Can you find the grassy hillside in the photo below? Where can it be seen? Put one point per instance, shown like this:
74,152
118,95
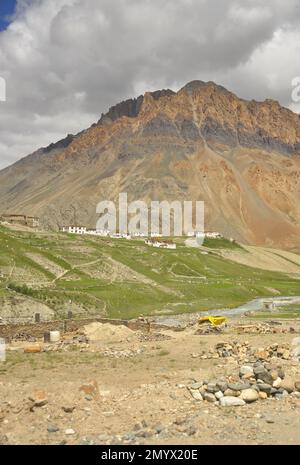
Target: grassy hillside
120,278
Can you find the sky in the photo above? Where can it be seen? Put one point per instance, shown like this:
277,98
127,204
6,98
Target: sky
7,8
65,62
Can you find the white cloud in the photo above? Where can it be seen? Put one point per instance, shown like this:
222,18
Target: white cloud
66,61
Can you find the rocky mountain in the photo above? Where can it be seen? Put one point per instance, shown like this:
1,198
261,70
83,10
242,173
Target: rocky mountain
202,143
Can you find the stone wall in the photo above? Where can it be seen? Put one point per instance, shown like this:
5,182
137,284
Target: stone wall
37,330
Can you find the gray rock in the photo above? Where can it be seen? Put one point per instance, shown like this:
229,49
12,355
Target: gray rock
196,395
52,429
219,394
222,385
238,386
265,388
257,369
266,377
209,397
246,370
231,402
212,387
196,386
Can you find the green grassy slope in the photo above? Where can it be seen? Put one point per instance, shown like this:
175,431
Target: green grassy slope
120,278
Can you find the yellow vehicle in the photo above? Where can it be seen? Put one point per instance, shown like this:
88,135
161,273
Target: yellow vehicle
214,320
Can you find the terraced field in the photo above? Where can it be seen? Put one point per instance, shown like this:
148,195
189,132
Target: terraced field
116,278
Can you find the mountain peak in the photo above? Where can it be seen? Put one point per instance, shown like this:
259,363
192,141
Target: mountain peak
195,85
241,157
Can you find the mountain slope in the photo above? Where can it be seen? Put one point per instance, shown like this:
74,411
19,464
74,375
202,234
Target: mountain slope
202,143
52,273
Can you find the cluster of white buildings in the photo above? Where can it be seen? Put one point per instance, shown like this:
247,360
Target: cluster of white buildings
153,241
208,234
161,244
93,232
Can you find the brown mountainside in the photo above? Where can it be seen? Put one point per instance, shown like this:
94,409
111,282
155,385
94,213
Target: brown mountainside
202,143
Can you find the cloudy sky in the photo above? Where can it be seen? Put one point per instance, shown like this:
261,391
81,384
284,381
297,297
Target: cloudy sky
66,61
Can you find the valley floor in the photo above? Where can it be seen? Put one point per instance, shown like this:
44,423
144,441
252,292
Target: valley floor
134,391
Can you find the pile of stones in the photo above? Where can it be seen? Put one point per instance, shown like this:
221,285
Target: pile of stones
127,353
209,329
23,337
80,341
273,327
243,350
253,382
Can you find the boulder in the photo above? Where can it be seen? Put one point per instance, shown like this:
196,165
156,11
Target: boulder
209,397
222,385
212,387
228,401
196,395
238,386
196,385
258,369
277,383
266,377
288,384
265,388
231,393
249,395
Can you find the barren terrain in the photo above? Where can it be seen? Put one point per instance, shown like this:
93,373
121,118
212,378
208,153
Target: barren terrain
132,388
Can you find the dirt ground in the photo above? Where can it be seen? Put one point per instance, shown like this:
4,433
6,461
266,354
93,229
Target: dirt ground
132,390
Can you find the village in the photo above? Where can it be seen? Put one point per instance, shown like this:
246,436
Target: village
153,240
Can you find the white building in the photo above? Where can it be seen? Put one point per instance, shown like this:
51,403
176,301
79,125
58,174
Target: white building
97,232
156,235
213,235
74,229
138,234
